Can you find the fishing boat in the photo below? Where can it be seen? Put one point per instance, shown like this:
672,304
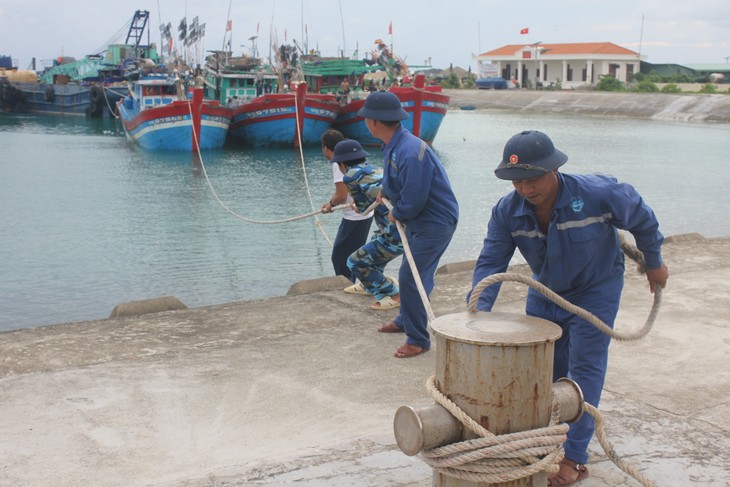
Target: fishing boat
90,86
326,74
425,105
158,114
295,119
235,80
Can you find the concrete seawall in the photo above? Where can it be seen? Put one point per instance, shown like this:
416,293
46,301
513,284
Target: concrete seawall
655,106
301,390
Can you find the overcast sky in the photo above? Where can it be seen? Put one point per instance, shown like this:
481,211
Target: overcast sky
446,31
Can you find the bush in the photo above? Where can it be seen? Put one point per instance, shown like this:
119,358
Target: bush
646,87
708,88
671,88
451,82
609,83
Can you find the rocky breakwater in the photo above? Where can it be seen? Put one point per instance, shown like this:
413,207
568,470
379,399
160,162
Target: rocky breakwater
657,106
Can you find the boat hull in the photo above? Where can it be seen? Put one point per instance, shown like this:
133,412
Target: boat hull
426,108
277,120
171,127
71,99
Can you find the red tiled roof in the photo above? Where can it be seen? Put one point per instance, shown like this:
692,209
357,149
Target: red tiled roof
604,48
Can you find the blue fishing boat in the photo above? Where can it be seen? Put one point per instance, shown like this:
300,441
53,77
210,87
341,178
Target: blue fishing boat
158,114
294,119
425,105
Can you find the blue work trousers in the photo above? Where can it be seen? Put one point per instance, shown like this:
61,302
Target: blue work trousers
581,353
427,249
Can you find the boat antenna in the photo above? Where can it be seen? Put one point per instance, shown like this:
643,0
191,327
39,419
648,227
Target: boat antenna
342,21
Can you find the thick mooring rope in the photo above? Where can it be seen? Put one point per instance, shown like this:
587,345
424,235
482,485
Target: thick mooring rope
602,438
630,250
250,220
503,458
497,458
412,263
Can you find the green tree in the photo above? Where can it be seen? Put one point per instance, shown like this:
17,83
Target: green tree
469,83
452,81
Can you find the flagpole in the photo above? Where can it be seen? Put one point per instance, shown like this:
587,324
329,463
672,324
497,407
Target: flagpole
228,18
390,29
641,38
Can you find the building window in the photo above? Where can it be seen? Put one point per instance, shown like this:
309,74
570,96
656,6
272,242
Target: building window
570,73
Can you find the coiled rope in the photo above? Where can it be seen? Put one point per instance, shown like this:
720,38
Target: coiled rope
497,458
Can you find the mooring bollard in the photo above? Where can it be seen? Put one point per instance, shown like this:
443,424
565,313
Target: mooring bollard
498,369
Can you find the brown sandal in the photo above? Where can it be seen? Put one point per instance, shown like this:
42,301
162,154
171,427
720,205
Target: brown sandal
564,476
408,351
389,328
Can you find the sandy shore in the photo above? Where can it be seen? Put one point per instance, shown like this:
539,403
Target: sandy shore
657,106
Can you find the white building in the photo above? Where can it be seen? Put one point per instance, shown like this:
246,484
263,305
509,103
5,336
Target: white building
571,65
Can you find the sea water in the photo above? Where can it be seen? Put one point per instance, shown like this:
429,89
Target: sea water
88,221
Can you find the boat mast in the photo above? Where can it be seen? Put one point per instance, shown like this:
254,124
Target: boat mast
342,22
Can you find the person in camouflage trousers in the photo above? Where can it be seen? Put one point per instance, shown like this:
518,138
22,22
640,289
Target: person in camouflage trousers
363,181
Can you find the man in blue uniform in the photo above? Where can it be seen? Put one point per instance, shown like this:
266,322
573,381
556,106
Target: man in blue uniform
416,184
565,226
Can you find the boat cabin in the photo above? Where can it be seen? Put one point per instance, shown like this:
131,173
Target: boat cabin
153,93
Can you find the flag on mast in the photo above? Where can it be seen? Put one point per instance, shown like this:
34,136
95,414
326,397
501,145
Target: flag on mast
390,28
526,30
229,26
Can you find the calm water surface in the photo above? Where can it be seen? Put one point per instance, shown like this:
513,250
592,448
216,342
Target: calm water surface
89,221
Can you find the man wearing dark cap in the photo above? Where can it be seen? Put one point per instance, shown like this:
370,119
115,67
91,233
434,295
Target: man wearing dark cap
565,227
416,184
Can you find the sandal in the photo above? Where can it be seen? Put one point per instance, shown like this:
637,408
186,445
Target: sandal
565,475
386,303
408,351
356,288
390,328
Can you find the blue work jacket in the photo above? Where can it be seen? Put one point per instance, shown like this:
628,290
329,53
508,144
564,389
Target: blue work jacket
415,182
581,249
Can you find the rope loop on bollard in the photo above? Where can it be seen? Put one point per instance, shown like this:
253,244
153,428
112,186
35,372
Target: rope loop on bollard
497,458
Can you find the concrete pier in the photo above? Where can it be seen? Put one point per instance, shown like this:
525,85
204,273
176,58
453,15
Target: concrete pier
683,107
301,390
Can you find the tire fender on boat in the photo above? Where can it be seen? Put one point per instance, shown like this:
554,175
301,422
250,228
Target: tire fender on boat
95,94
96,102
50,94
